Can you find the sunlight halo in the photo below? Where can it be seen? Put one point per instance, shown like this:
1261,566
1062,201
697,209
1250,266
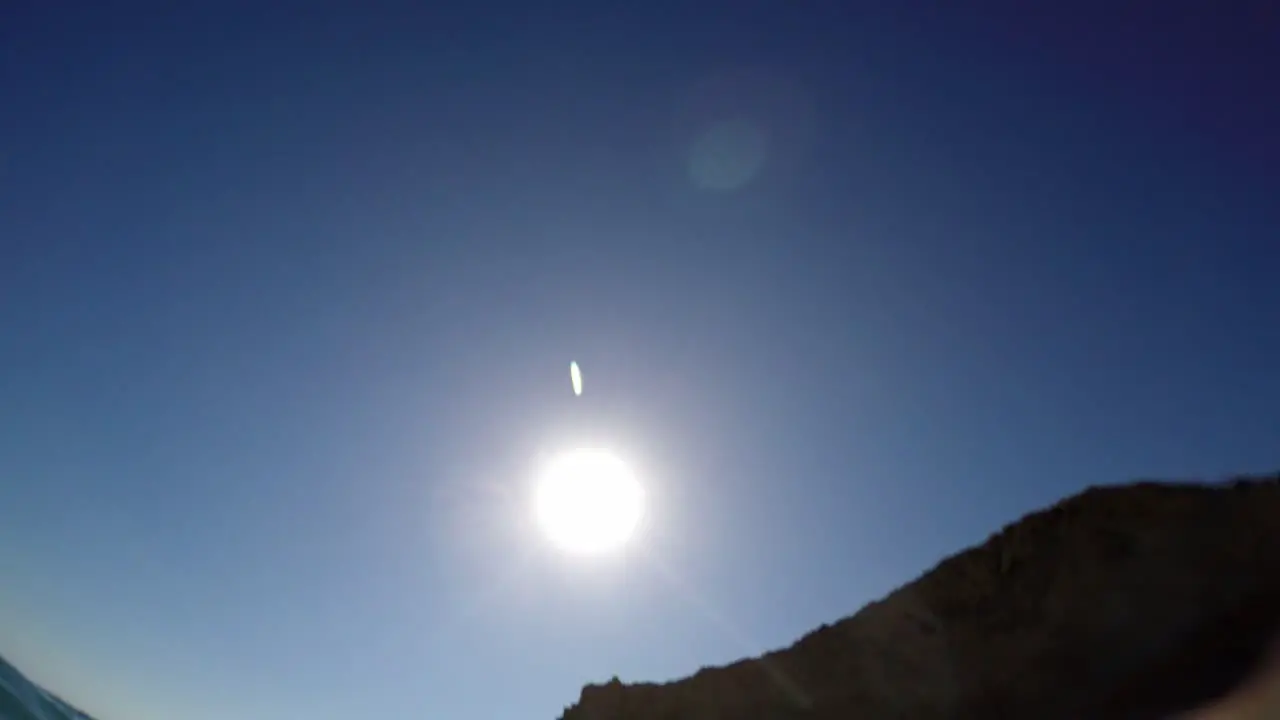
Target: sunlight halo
588,502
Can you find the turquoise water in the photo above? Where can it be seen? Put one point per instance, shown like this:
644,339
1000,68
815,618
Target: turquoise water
21,699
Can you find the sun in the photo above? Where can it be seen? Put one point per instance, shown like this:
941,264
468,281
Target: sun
588,502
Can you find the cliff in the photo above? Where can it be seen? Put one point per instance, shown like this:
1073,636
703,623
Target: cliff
1128,602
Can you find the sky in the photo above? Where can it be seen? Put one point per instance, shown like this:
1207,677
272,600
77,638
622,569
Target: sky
289,292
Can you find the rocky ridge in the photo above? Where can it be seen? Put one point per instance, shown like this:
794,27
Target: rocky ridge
1124,602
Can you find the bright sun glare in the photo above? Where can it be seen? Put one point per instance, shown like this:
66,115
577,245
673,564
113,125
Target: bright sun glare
588,502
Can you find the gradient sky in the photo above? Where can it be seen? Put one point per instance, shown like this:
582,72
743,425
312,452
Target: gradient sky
288,294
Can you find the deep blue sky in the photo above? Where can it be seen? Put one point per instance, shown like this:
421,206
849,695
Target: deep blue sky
288,293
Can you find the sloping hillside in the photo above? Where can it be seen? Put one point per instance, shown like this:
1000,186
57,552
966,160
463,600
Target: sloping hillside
1127,602
21,699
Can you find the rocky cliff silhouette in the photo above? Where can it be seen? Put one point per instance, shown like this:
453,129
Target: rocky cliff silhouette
1128,603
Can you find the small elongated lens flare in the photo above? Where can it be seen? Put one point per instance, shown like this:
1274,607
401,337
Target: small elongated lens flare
576,376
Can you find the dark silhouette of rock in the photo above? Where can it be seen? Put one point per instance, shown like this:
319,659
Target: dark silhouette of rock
1130,602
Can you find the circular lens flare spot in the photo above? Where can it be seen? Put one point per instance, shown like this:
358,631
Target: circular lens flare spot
728,155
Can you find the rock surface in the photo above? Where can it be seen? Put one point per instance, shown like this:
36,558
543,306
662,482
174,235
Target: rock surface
1127,602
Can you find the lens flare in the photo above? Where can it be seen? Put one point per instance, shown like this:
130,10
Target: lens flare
575,375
